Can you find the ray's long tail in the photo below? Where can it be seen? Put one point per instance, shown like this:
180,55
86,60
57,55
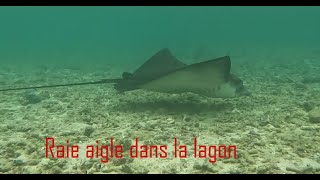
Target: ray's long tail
103,81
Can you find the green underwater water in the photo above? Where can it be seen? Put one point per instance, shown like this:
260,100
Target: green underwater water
122,35
274,50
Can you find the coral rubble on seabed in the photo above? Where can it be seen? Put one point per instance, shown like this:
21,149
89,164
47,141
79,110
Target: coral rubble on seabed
276,130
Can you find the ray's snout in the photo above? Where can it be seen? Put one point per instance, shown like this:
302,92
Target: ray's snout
241,90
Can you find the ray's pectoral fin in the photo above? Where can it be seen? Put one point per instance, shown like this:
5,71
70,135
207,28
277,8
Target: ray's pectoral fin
210,78
156,66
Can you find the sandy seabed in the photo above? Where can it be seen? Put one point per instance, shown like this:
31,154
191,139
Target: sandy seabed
276,130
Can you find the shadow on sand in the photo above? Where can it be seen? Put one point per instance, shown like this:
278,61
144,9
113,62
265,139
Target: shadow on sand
172,106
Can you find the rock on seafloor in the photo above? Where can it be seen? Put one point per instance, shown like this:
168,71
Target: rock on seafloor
314,115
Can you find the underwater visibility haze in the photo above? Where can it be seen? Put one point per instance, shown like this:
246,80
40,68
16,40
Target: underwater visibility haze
180,85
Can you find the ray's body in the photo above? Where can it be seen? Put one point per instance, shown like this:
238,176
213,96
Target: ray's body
165,73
